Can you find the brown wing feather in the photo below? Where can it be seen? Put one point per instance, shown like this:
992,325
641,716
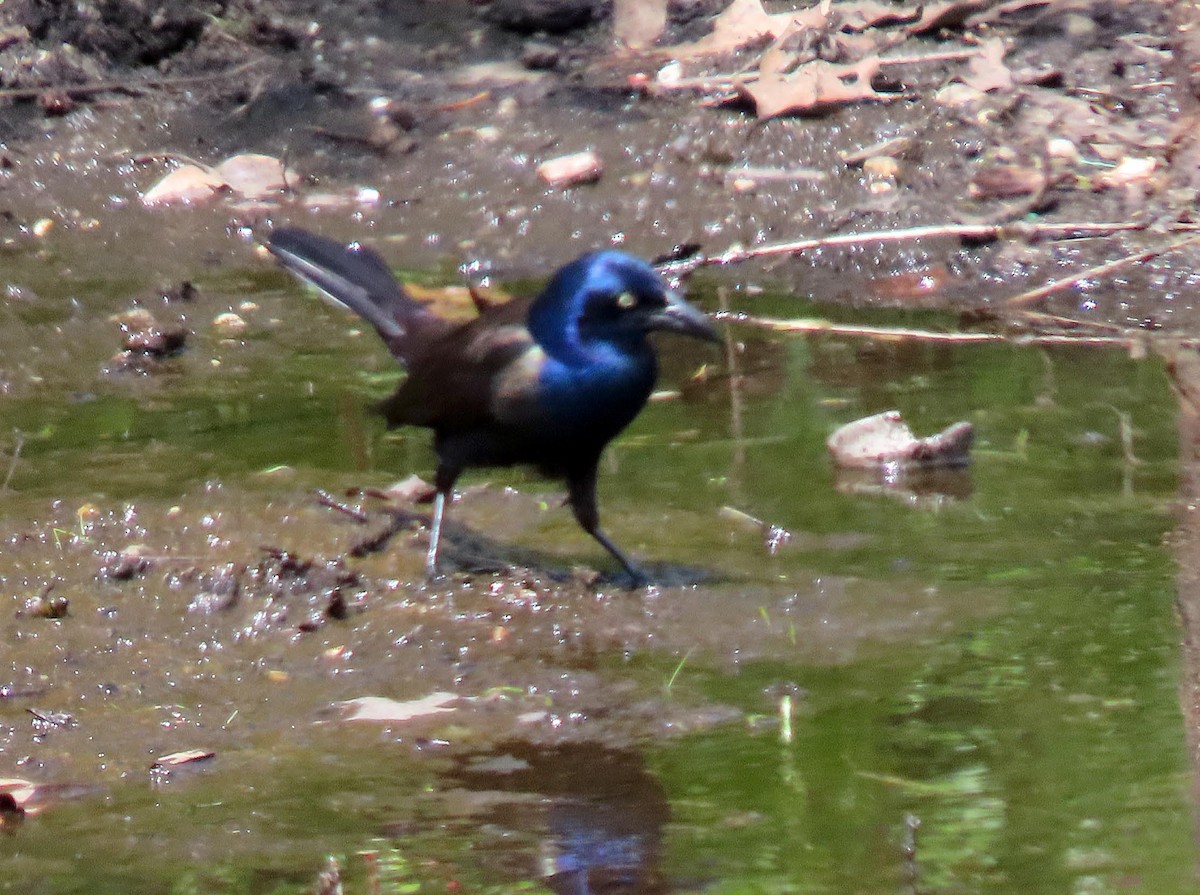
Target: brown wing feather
451,377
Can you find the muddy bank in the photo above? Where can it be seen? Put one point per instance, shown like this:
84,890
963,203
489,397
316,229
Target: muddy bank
426,131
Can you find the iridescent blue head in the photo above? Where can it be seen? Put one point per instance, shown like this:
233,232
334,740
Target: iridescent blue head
610,300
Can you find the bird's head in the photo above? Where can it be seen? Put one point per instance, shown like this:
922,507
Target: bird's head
614,298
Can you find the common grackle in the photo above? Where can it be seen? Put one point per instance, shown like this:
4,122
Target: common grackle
546,382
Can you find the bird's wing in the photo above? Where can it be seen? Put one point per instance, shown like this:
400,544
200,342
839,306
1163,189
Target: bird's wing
357,278
480,373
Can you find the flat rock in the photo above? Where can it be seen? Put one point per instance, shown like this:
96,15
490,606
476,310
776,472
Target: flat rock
885,439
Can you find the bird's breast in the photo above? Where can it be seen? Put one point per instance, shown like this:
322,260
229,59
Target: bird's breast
593,400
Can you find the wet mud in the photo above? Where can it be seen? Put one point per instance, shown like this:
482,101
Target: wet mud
444,118
193,556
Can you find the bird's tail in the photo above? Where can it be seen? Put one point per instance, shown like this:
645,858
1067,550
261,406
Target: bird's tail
353,276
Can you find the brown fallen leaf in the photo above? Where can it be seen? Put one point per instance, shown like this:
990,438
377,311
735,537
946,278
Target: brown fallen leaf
639,23
815,87
858,17
380,708
745,22
987,71
1007,9
455,302
948,14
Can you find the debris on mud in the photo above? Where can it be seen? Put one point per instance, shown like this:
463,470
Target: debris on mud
46,604
391,711
959,112
147,343
45,720
281,591
125,564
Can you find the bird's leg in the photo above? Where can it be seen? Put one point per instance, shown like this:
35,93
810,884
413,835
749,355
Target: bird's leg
444,481
435,536
581,488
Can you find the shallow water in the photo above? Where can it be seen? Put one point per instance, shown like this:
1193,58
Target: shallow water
982,671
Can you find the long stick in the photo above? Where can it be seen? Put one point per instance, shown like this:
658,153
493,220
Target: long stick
16,455
75,90
1026,298
887,333
978,232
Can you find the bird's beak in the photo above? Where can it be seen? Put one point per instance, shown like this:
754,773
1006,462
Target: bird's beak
686,319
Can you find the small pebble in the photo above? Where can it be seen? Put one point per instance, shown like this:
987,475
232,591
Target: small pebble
229,323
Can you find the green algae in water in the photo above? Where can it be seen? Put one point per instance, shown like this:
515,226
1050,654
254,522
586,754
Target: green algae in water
999,667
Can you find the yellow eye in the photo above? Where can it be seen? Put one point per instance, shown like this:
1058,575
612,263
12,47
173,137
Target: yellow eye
626,300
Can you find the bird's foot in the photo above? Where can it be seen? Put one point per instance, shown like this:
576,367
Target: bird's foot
638,579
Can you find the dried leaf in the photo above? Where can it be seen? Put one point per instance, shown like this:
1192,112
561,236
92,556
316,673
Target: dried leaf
380,708
186,185
1130,169
1007,9
986,71
858,17
456,301
639,23
817,86
948,14
744,22
780,57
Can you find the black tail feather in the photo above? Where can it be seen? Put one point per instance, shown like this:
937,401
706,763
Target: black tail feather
353,276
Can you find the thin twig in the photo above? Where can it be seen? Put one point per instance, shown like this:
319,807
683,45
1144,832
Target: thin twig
973,232
1070,322
325,499
737,428
1099,270
918,59
91,87
815,325
753,172
708,83
16,455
